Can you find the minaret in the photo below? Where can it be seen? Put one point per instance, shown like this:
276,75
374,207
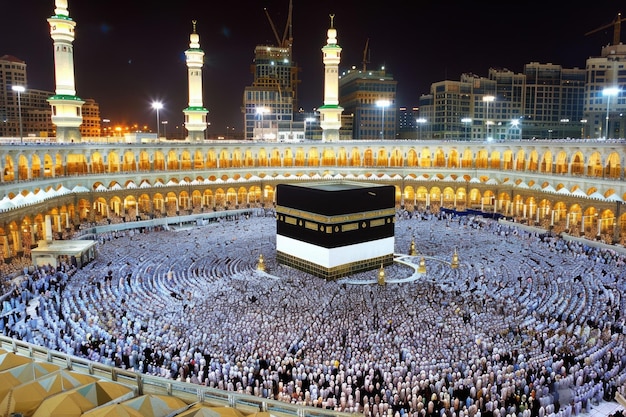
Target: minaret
195,114
66,106
330,112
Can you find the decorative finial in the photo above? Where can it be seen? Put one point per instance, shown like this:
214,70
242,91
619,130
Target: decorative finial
381,275
455,260
261,264
193,23
422,266
332,18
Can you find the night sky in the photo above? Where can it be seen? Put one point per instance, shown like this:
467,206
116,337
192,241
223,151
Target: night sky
130,53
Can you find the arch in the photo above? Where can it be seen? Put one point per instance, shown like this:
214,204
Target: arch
482,159
560,163
425,158
594,165
533,161
186,160
355,157
128,162
520,160
342,157
328,157
224,159
236,159
198,159
263,159
454,159
144,161
545,166
439,160
288,157
578,163
275,158
173,163
313,159
211,159
76,164
113,162
613,167
97,163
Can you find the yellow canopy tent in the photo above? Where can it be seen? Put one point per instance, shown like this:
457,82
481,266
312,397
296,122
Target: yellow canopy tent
10,360
25,398
64,404
113,410
153,405
103,392
202,410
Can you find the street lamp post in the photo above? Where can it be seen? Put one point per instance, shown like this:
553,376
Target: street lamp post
308,121
19,89
262,111
466,121
487,100
420,123
164,123
608,93
157,105
382,104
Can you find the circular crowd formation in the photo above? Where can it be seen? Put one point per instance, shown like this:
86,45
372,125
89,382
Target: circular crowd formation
528,324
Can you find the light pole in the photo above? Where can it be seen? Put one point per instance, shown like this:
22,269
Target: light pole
420,123
262,111
382,104
157,105
19,89
608,93
308,121
164,123
487,100
515,125
466,121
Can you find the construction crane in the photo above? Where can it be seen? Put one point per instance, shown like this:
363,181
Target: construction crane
365,51
285,42
617,28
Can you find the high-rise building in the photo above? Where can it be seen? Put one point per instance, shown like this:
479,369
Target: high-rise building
35,110
370,97
12,73
605,94
545,101
553,103
91,126
269,104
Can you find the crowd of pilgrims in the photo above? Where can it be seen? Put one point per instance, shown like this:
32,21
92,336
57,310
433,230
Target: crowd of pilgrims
528,325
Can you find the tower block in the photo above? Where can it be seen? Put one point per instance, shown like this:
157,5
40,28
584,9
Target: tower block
330,111
334,229
195,114
66,106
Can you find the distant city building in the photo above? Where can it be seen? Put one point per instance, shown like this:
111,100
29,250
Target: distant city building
35,109
270,103
361,94
91,126
407,122
603,114
544,101
554,100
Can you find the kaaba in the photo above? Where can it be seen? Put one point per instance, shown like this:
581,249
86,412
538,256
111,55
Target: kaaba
335,229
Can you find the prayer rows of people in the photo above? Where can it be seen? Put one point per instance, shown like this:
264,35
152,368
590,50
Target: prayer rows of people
528,325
